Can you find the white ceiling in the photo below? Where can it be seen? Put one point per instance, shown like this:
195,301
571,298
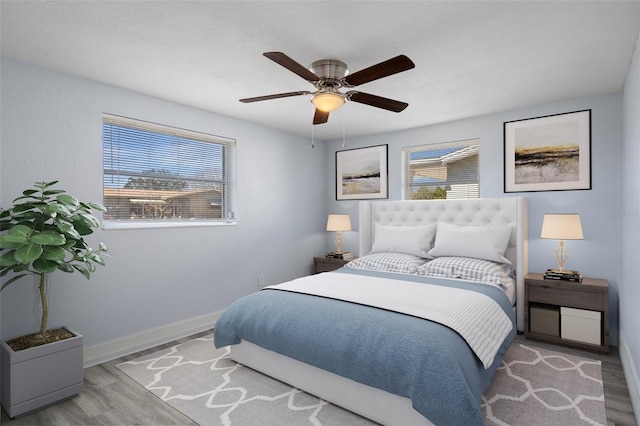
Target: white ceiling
472,58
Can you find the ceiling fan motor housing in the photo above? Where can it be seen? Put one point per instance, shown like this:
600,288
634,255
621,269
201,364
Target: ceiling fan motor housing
329,70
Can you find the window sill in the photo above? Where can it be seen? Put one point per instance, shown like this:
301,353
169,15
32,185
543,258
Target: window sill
132,224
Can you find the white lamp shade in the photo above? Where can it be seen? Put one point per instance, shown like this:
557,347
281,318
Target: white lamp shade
328,101
338,222
562,226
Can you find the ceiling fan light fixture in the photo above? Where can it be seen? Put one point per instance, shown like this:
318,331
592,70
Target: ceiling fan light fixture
328,101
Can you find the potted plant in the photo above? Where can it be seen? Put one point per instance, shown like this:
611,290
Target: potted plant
41,233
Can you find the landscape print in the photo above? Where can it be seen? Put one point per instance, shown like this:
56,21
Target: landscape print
548,153
361,173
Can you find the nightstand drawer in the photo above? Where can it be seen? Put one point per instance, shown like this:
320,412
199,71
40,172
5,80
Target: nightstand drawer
325,267
568,297
327,264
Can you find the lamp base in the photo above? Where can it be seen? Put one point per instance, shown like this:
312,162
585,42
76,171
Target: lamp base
338,242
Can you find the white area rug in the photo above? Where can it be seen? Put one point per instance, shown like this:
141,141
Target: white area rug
532,387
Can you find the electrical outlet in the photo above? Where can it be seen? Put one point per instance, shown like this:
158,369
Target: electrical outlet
260,280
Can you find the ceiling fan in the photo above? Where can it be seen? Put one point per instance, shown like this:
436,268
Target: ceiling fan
330,75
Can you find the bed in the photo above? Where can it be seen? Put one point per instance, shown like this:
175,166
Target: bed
412,331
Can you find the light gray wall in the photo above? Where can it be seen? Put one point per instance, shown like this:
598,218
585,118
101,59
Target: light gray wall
598,255
51,130
630,218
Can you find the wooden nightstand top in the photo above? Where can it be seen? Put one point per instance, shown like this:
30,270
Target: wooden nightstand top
586,281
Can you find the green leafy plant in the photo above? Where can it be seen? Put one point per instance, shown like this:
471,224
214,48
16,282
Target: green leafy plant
44,233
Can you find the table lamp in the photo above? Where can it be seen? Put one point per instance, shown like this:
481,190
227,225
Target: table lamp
338,223
561,226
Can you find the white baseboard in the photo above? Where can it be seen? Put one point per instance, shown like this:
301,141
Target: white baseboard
631,376
131,344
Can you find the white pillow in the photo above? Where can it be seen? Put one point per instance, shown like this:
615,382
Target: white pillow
416,240
481,242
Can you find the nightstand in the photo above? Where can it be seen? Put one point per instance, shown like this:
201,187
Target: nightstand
567,313
327,264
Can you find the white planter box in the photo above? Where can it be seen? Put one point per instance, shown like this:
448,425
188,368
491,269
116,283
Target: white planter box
580,325
40,376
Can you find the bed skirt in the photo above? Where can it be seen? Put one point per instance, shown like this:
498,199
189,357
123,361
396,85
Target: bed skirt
375,404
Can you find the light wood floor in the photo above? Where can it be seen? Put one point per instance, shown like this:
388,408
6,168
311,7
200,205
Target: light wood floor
112,398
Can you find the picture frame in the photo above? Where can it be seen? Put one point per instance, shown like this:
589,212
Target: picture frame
549,153
362,173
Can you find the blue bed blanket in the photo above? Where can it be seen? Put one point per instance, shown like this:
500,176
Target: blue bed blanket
407,356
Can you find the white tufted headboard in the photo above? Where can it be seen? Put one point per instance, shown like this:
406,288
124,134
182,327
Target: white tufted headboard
475,212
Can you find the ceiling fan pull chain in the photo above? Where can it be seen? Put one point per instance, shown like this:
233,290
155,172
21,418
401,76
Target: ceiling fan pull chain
313,143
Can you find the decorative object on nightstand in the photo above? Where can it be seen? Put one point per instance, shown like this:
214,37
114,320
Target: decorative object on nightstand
345,255
339,223
562,226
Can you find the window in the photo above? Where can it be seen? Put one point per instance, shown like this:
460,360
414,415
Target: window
156,175
443,170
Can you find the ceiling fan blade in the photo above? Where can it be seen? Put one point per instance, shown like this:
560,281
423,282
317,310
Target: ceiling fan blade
293,66
320,117
376,101
276,96
384,69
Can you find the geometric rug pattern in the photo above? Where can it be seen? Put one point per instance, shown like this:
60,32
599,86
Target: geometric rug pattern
567,388
532,387
205,385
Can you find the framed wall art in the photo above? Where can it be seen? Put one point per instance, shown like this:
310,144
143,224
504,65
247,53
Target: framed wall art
362,173
550,153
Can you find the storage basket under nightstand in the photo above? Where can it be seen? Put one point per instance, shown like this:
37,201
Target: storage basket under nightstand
545,320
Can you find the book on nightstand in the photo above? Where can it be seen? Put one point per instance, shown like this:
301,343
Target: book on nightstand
565,274
345,255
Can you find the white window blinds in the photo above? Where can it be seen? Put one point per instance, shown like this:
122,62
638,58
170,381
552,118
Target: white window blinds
155,173
442,171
